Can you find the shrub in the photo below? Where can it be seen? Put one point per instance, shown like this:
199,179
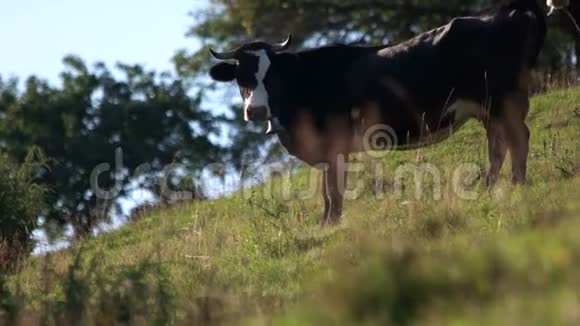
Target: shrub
21,201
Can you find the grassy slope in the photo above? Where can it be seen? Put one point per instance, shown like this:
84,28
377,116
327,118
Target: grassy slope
512,255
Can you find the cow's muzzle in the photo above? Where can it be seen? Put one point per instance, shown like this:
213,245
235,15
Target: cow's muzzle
257,113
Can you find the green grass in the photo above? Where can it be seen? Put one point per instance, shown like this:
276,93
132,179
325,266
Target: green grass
511,256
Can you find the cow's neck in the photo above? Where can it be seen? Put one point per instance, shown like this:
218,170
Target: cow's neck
316,82
317,99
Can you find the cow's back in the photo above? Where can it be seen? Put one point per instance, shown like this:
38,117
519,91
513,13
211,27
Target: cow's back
463,65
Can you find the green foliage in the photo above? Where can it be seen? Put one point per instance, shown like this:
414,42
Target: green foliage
261,258
9,307
21,201
227,23
403,283
142,119
88,293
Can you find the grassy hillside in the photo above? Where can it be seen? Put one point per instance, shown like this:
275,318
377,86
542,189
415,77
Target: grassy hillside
507,256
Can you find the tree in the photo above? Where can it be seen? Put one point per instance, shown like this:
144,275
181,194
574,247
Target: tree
312,22
142,121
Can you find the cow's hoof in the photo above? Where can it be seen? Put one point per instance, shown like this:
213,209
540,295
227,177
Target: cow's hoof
490,181
330,221
518,182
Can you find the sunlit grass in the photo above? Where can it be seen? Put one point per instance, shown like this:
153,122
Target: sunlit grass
510,256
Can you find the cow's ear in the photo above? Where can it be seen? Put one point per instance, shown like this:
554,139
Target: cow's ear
223,72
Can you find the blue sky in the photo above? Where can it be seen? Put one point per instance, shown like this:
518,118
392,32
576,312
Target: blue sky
36,34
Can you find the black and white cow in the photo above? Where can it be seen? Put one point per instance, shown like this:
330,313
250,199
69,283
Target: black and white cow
319,101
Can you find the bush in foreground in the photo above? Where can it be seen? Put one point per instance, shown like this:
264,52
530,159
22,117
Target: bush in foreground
20,204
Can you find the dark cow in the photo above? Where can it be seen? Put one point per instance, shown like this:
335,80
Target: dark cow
320,101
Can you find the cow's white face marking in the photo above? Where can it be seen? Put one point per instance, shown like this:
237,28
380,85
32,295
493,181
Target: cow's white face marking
259,96
463,110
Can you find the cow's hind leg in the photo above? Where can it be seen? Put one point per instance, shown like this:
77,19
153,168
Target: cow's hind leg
517,134
519,148
497,149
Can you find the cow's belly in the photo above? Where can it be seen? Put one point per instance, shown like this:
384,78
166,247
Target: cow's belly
423,130
373,132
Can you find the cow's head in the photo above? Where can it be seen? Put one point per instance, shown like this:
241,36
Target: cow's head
251,68
557,4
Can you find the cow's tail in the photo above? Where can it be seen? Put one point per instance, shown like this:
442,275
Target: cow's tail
572,19
539,30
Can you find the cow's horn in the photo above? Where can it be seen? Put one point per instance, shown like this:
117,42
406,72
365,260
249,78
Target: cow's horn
284,45
228,55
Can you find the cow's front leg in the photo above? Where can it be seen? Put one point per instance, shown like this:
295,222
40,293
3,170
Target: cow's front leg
517,134
334,185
